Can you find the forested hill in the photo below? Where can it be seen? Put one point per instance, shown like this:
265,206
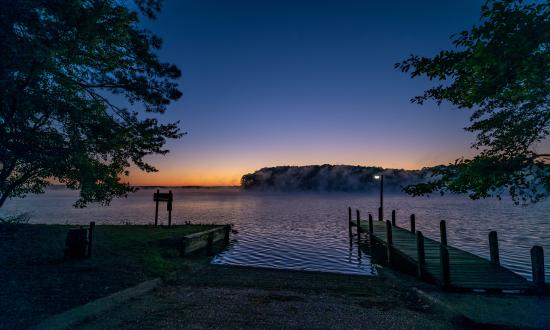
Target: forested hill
330,178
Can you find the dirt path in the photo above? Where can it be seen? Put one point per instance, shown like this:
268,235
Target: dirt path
235,297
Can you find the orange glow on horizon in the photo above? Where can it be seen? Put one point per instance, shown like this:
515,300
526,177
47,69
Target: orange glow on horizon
231,176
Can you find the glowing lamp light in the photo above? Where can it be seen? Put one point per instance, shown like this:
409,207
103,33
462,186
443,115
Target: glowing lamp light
377,177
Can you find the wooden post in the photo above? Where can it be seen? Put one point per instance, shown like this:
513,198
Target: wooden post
209,244
493,248
371,225
443,232
389,242
169,207
420,254
393,218
537,266
380,214
445,267
91,238
184,243
413,223
349,222
358,215
157,209
226,234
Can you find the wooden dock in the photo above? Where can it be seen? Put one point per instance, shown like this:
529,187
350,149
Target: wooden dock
447,266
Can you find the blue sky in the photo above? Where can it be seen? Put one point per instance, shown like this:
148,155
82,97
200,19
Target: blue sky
304,82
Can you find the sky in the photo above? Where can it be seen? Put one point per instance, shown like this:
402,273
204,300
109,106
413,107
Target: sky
269,83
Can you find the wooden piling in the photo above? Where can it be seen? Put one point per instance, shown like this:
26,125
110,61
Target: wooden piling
413,223
380,214
389,242
358,223
91,238
371,225
421,265
157,209
226,234
445,267
493,248
393,218
537,266
169,207
349,222
443,232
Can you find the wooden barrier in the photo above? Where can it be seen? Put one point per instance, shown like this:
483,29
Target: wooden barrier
203,240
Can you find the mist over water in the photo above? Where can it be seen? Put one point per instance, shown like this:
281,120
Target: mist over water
308,231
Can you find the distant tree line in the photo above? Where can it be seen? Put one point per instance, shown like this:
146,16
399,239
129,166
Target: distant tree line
330,178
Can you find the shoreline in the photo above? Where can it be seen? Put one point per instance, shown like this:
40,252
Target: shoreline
40,285
38,282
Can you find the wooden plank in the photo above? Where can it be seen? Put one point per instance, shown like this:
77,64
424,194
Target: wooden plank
202,240
162,197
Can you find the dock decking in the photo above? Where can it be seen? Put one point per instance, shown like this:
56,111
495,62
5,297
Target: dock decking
445,265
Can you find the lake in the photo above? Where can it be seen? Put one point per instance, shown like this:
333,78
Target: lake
309,231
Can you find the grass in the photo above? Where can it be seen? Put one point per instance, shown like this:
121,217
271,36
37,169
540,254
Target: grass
37,282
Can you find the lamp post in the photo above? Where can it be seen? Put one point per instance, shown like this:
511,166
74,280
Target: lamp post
381,208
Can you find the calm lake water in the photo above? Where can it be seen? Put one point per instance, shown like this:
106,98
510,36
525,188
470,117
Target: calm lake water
308,231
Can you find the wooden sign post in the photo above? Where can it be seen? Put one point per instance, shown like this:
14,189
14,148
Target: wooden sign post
163,197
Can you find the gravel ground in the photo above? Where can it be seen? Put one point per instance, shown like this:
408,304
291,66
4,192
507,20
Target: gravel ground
218,297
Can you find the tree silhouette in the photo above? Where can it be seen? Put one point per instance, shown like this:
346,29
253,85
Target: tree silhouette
64,63
501,70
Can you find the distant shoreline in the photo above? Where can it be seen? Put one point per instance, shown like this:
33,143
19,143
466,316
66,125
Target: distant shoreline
189,187
59,186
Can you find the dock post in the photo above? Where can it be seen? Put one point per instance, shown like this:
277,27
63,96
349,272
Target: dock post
349,222
413,223
393,218
443,232
371,225
493,248
445,267
380,214
226,234
537,266
420,254
157,209
169,207
90,238
357,213
389,242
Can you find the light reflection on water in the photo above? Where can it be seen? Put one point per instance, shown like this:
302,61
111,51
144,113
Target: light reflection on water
308,231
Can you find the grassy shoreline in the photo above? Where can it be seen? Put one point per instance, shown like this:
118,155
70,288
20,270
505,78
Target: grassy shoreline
38,283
